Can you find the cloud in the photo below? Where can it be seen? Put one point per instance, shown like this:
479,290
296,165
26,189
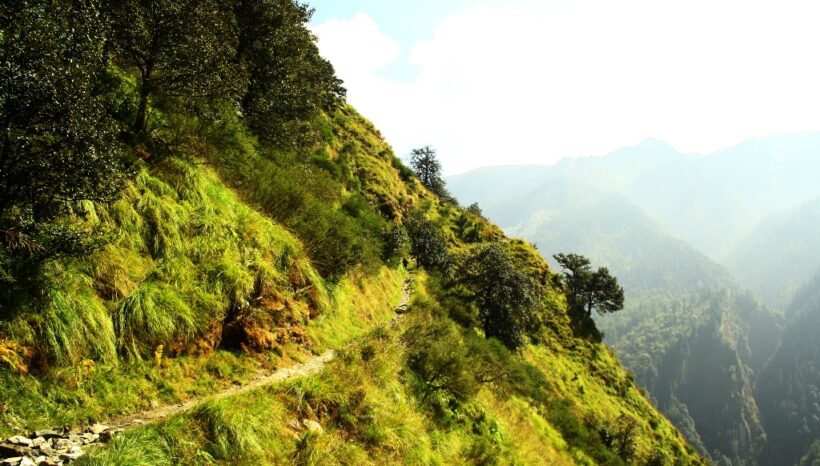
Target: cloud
529,83
356,47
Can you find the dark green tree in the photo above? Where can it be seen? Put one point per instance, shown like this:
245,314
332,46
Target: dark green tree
57,144
428,169
289,81
505,295
588,290
475,209
427,243
178,48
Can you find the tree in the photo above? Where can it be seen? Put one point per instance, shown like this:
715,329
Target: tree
428,169
504,294
590,290
427,243
179,48
475,209
58,146
289,81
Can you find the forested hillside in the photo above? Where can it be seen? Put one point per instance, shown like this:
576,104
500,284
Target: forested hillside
684,320
788,243
187,204
789,387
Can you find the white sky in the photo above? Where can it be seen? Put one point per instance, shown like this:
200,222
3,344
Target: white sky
530,83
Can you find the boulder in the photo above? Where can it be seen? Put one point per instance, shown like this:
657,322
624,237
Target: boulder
9,450
313,426
98,428
46,434
20,440
68,457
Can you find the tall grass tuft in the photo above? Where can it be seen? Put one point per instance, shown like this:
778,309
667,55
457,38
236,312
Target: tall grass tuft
74,324
184,251
156,313
143,447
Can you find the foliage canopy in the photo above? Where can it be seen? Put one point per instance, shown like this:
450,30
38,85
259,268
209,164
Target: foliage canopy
505,295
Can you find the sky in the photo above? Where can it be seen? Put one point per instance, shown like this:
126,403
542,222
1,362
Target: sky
525,81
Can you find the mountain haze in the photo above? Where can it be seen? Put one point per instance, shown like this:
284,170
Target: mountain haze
711,201
691,334
788,243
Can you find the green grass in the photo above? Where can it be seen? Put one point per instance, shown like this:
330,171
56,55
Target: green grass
134,324
236,250
373,410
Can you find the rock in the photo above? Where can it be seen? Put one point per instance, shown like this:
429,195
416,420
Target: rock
12,461
75,449
98,428
63,444
46,434
20,440
27,462
109,434
88,437
9,450
313,426
68,457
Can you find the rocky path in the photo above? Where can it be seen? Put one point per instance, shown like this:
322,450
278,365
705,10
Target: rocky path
61,447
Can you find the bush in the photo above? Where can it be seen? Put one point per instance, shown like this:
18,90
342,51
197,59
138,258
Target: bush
440,359
395,242
428,245
505,295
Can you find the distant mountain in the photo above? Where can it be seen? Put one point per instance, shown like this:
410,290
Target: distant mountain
780,253
711,201
789,387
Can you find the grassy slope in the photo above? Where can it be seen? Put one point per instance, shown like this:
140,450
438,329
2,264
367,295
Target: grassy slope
370,409
192,249
136,324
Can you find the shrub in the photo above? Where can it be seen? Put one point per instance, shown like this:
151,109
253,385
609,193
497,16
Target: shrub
428,245
505,295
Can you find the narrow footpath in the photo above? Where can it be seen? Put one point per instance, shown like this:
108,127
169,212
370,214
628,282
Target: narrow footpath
61,447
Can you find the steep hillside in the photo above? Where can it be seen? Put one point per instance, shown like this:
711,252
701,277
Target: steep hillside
188,205
789,244
788,390
268,305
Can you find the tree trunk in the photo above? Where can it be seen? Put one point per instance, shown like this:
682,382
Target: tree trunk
140,122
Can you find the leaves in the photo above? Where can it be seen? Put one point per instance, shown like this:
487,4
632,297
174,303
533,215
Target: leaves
590,290
58,145
505,295
428,169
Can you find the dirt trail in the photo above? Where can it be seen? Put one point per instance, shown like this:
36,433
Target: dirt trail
309,367
50,447
312,366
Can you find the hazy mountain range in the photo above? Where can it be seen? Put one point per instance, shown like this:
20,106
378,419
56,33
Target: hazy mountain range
697,241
